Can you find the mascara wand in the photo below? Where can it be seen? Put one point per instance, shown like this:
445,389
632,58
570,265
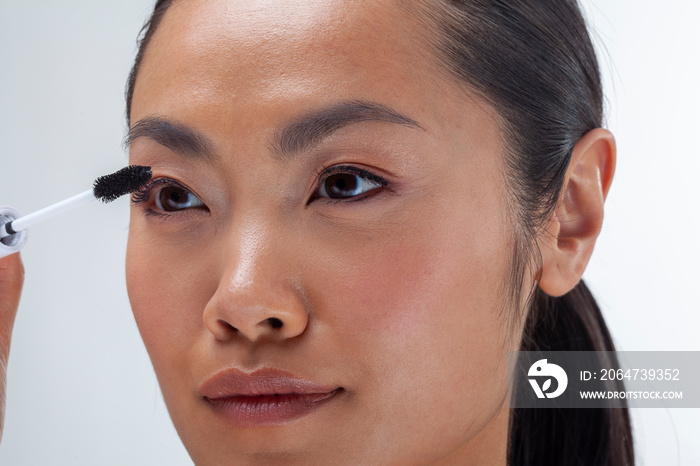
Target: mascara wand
13,227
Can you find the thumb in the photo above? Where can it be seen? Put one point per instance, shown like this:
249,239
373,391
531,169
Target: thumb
11,280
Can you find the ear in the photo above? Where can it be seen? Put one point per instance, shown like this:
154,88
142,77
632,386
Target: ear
571,233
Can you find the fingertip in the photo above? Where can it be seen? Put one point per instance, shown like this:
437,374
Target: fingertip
12,268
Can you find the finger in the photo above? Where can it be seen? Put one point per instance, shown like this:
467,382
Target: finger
11,280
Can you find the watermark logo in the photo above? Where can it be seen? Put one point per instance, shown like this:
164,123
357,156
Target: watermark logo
542,369
604,379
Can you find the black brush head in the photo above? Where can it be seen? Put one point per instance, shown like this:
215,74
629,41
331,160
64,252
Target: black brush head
127,180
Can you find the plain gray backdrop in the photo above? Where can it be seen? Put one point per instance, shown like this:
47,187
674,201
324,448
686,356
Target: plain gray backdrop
81,390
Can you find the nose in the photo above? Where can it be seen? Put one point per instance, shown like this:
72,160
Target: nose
256,298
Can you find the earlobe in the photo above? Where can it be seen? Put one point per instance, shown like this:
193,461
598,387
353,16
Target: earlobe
568,242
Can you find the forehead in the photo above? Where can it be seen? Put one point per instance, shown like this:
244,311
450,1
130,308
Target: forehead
239,69
291,52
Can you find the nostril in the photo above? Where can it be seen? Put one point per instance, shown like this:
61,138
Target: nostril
227,326
275,322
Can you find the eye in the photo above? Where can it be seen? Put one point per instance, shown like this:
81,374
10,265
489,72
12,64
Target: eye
165,197
347,182
173,198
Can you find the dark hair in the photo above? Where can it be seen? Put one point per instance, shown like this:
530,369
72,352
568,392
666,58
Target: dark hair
145,36
534,62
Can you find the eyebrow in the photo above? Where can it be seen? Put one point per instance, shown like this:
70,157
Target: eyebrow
175,136
311,129
299,135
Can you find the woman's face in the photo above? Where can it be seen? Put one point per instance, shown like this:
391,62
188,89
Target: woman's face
317,272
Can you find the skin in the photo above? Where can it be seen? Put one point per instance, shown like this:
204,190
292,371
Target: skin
11,281
395,296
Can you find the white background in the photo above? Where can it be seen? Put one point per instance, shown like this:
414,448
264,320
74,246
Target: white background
81,388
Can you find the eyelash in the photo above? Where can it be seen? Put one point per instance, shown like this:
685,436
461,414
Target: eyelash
145,195
325,173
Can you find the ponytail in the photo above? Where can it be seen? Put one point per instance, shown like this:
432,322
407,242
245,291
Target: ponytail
582,436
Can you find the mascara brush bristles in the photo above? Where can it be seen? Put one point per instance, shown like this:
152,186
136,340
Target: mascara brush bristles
106,188
127,180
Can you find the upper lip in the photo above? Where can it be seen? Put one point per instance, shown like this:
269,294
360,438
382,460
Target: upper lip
234,382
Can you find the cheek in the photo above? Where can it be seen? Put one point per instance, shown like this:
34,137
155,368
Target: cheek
425,270
145,281
168,289
419,310
414,309
416,296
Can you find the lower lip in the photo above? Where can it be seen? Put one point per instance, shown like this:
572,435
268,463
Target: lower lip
269,410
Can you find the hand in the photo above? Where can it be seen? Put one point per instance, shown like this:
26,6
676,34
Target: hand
11,280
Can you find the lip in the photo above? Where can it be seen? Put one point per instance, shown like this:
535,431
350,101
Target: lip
265,397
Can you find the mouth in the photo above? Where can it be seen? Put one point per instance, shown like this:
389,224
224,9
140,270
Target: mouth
265,397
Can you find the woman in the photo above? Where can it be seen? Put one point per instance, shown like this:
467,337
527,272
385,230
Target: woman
358,210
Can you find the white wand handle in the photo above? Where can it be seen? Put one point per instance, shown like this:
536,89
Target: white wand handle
32,219
13,227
